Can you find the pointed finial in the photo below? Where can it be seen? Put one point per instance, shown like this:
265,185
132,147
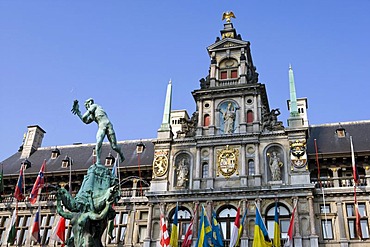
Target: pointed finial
170,82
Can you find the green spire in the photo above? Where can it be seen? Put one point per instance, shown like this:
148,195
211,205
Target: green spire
167,109
293,96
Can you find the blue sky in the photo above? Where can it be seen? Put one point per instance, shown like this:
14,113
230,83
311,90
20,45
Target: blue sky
123,53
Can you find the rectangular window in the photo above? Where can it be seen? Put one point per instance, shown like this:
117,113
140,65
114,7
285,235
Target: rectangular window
251,168
142,233
234,74
327,229
223,75
4,222
325,209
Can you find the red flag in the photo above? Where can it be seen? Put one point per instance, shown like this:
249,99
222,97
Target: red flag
188,236
18,188
354,168
358,222
235,230
60,231
289,242
189,232
40,181
35,232
165,237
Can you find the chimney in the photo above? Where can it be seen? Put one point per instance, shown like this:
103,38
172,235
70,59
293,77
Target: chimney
33,140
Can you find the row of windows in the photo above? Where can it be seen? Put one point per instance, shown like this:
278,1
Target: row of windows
327,223
207,118
251,169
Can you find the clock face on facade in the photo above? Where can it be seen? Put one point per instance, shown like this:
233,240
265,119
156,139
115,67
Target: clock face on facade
160,163
227,162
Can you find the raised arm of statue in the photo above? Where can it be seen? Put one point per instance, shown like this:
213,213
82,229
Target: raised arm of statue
103,213
61,212
87,117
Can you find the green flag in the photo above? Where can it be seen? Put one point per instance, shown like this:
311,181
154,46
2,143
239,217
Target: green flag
11,236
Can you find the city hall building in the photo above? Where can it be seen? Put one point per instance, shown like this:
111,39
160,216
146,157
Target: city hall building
233,151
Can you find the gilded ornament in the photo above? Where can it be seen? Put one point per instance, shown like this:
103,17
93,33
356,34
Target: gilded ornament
227,161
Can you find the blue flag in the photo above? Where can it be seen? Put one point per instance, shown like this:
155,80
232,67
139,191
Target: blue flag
217,239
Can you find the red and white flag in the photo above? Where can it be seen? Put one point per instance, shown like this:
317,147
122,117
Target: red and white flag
289,242
35,231
165,237
188,236
235,231
60,231
39,183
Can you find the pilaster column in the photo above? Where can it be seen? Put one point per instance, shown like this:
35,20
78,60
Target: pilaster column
297,234
195,221
149,221
196,180
243,168
335,177
314,238
211,168
312,215
257,166
342,233
197,164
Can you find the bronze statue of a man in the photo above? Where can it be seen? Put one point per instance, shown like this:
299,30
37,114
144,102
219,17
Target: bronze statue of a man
105,128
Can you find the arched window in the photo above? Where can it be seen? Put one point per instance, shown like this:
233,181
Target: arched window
183,220
205,170
226,219
284,219
249,116
229,69
206,120
251,168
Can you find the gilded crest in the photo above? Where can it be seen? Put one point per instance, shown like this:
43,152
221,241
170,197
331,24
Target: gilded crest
298,155
160,163
227,162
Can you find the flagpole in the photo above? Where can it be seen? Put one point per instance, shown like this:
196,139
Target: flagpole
322,189
119,173
355,181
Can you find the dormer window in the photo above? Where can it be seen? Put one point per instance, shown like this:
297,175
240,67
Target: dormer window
109,160
341,132
55,153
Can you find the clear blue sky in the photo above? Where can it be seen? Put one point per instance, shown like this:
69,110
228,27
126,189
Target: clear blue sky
123,53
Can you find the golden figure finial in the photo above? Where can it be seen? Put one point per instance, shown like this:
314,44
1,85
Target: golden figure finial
227,15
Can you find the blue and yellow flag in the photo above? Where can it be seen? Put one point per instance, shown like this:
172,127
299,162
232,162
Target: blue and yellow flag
217,240
174,240
205,231
261,237
277,242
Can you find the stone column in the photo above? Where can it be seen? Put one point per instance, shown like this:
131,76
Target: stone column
196,181
257,166
195,222
342,234
314,238
297,234
200,119
244,237
149,226
242,124
130,227
211,168
335,177
212,127
256,113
